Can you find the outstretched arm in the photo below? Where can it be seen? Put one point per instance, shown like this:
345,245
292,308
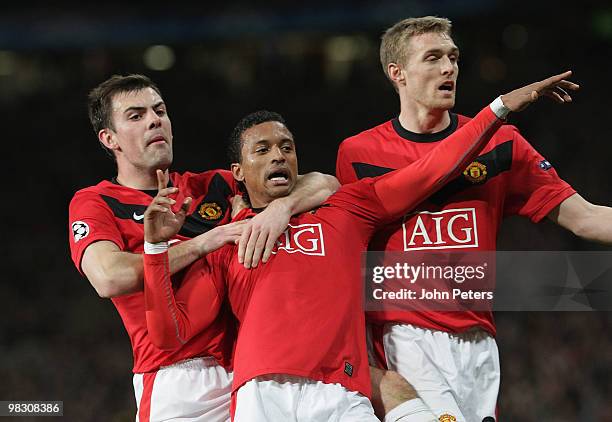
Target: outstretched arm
584,219
401,190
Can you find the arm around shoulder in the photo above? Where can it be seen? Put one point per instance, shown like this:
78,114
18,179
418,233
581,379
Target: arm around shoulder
312,190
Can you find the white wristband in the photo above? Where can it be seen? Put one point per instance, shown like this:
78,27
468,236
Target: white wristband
498,107
155,248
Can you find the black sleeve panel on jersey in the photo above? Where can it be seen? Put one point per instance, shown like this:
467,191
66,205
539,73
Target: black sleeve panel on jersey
496,161
124,211
218,194
401,190
344,171
363,170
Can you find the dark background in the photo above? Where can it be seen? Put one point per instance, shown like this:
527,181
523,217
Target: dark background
317,64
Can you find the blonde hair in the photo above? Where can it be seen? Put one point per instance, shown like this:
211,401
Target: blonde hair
394,40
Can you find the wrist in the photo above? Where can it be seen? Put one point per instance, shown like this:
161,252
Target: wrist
285,205
155,248
499,108
201,242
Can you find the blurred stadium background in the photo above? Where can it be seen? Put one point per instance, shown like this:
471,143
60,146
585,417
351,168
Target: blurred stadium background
317,64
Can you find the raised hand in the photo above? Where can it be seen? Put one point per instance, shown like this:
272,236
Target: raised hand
555,87
160,221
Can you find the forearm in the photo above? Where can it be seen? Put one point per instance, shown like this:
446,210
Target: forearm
587,221
403,189
160,305
597,227
310,191
113,272
174,317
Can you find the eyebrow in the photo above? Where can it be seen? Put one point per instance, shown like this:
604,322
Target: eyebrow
267,141
141,108
438,50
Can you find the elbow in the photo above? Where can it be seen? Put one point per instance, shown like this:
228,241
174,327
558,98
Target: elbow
329,183
587,226
109,285
583,230
108,288
104,287
164,338
166,343
332,183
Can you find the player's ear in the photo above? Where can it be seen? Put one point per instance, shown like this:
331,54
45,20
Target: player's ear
396,74
107,138
237,172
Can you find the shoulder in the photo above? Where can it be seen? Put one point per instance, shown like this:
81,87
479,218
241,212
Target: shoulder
210,179
367,135
207,174
92,192
362,188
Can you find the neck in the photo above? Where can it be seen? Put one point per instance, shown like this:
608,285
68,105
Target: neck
137,179
258,203
420,119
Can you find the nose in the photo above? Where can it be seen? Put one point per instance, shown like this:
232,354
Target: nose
447,66
277,154
155,120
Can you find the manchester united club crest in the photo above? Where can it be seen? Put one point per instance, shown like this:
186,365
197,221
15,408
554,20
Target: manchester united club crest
475,172
210,211
447,418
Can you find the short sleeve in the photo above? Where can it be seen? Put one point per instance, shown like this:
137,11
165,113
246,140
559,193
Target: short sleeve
90,220
534,187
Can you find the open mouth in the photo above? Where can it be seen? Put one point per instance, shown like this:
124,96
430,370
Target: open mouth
279,176
447,86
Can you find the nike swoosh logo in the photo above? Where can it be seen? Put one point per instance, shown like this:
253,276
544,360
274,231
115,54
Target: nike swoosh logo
138,217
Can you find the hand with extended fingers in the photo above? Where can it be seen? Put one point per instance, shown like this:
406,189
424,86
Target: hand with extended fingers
160,221
259,238
555,87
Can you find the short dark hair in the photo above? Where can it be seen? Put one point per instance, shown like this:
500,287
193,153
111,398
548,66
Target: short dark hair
100,98
235,140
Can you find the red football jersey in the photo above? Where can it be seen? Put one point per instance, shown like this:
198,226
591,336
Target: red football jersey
109,211
508,178
302,312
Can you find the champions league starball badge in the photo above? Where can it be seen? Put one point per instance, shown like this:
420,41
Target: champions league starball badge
80,230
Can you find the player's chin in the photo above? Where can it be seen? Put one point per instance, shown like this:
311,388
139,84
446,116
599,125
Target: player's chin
279,191
162,159
445,103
